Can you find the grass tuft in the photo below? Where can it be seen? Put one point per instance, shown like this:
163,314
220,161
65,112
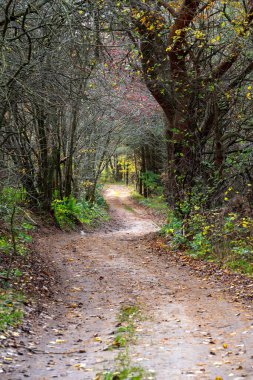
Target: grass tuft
124,369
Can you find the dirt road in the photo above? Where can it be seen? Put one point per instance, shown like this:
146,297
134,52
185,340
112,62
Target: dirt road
190,330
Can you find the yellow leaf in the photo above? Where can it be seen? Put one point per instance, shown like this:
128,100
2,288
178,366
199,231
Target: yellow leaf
80,366
75,289
59,341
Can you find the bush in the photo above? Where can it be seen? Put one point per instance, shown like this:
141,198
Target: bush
16,228
152,182
69,211
99,199
225,238
174,229
66,212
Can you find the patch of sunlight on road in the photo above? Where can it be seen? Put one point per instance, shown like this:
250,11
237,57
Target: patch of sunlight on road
117,191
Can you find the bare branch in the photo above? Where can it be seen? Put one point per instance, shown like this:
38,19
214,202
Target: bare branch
168,7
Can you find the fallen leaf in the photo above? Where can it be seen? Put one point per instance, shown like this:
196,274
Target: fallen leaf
75,289
218,364
80,366
72,305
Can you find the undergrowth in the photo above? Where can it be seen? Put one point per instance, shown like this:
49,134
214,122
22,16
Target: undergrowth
214,236
69,211
156,202
11,305
16,225
15,228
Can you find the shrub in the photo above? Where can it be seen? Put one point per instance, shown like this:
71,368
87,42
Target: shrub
16,228
152,181
69,211
225,238
174,229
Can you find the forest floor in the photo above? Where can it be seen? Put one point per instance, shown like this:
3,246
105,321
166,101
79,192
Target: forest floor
190,327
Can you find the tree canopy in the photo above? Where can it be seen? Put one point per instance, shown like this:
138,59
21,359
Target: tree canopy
81,78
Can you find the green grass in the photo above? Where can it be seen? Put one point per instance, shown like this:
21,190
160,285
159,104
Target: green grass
11,309
241,266
125,335
127,318
125,370
157,203
128,208
129,313
134,373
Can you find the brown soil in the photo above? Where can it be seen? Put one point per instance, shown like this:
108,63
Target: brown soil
191,330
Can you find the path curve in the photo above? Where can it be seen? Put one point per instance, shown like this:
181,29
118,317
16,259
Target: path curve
191,331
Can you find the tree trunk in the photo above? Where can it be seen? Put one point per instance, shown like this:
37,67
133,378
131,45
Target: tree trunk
69,161
143,171
45,187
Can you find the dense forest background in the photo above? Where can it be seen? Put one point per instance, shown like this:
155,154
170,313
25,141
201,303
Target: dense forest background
153,93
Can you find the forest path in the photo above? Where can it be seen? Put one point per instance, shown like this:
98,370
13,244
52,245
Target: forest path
190,330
